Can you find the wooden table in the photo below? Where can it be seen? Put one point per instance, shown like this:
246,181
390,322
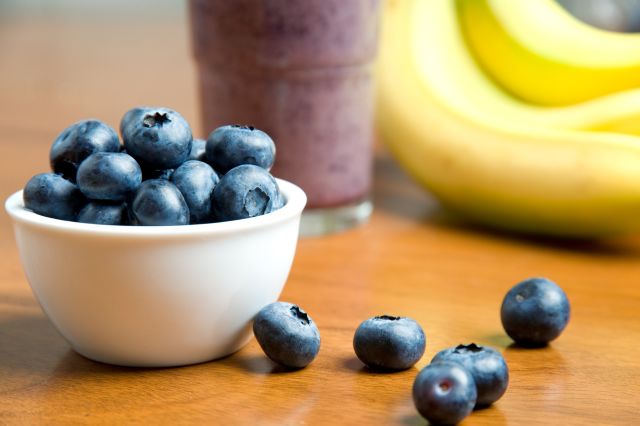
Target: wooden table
410,259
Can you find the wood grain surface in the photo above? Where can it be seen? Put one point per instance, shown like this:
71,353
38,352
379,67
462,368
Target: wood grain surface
410,259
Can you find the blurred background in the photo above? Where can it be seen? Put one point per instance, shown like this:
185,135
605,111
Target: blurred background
55,35
614,15
91,50
80,8
32,32
66,60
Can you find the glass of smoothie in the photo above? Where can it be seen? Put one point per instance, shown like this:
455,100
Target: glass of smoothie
301,70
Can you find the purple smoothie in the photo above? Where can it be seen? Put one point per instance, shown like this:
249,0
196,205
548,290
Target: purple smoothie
302,71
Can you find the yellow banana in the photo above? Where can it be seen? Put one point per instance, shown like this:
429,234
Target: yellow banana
540,53
508,174
618,112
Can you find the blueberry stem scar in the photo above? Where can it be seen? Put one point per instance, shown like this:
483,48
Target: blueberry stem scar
472,347
241,126
387,318
300,314
155,119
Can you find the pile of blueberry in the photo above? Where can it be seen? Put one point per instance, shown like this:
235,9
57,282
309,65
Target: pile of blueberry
458,379
160,175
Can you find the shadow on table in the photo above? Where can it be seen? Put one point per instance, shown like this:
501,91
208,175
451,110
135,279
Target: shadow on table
614,247
496,416
29,343
73,364
32,351
355,365
30,346
546,355
395,193
33,354
255,364
437,217
501,340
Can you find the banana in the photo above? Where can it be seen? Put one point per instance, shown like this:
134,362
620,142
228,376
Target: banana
540,53
513,175
617,112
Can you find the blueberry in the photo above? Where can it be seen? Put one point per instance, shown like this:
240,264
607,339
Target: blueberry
103,213
158,202
279,202
245,191
198,147
389,343
444,393
287,334
112,176
196,181
534,312
159,138
234,145
486,365
51,195
79,141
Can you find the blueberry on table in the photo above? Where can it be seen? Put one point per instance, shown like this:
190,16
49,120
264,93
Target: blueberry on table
103,213
486,365
287,334
79,141
233,145
444,393
534,312
158,138
243,192
198,147
51,195
196,181
111,176
158,202
389,343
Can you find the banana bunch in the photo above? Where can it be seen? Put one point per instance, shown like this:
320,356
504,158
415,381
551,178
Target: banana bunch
542,54
569,170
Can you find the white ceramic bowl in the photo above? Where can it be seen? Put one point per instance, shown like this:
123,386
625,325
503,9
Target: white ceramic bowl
157,296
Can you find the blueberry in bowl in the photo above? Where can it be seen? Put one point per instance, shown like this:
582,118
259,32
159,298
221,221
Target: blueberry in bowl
159,202
157,137
77,142
109,176
157,295
104,213
136,272
243,192
233,145
196,180
51,195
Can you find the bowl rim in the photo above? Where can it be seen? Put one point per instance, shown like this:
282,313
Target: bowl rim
295,197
